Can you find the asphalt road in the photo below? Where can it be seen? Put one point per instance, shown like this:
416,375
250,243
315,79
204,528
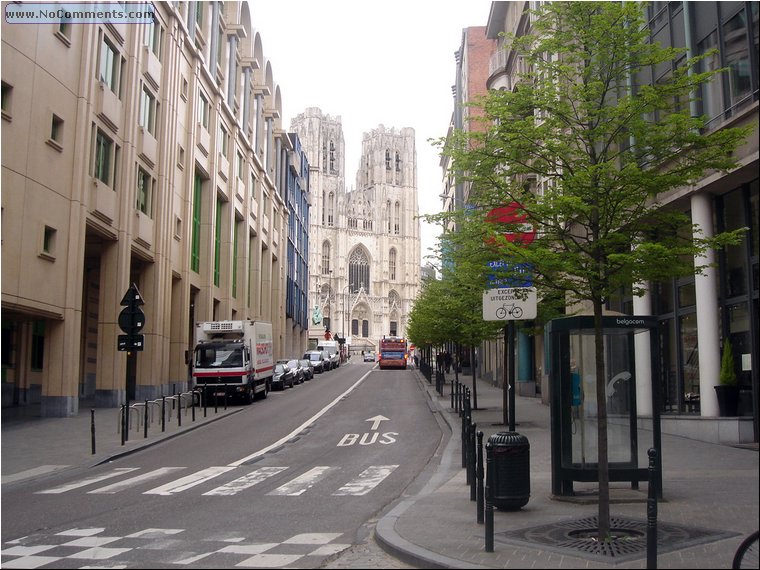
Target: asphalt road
294,481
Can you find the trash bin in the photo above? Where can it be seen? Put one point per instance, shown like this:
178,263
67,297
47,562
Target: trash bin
510,461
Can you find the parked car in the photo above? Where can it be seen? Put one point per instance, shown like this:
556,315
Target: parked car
369,356
283,377
317,360
334,358
295,365
307,367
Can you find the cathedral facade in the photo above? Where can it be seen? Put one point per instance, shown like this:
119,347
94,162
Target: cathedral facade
364,243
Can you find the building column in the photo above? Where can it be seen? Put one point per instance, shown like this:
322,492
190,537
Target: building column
708,323
643,356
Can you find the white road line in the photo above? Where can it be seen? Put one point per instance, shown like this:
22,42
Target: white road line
246,481
302,427
121,485
302,483
41,470
187,482
367,480
88,481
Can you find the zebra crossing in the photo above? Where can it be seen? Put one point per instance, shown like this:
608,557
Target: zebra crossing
242,480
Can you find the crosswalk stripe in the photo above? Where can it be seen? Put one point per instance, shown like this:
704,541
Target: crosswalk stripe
185,483
246,481
302,483
121,485
367,480
87,481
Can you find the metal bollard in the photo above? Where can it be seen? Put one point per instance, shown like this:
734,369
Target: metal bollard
480,489
145,421
92,429
489,497
121,422
464,444
652,510
179,411
471,463
163,413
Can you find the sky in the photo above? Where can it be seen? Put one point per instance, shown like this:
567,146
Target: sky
384,62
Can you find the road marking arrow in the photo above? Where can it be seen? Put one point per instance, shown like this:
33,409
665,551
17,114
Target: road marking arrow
376,421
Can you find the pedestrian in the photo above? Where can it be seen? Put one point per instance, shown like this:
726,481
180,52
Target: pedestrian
439,362
447,361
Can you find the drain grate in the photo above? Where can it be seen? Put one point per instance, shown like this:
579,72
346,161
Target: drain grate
628,538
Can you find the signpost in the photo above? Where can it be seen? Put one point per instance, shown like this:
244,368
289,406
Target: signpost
514,297
131,322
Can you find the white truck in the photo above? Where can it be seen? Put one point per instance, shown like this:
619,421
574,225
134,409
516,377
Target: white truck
233,359
332,347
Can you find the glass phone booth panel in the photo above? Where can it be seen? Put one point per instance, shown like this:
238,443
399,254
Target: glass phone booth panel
574,401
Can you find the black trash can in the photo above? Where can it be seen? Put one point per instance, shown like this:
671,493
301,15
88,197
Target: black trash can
510,461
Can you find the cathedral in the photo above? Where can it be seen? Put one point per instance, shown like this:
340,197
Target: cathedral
364,243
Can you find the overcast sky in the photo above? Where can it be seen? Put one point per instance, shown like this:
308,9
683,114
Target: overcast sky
387,62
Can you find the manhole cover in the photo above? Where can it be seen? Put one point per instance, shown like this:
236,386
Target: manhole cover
628,538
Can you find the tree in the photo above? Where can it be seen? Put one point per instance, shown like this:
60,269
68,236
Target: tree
606,147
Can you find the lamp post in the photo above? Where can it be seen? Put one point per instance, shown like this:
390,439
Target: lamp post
345,316
329,296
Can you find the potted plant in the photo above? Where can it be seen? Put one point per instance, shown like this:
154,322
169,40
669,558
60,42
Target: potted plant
728,387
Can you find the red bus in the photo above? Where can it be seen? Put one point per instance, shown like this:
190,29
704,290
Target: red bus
393,352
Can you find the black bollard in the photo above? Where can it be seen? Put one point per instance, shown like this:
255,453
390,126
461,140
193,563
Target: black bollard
179,411
652,511
92,429
193,403
163,413
145,421
121,420
489,497
480,478
471,463
464,444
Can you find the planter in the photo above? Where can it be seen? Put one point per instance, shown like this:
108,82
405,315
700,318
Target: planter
728,400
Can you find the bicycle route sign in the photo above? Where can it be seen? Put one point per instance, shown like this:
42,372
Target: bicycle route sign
510,304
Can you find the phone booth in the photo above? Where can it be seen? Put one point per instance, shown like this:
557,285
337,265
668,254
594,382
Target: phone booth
574,415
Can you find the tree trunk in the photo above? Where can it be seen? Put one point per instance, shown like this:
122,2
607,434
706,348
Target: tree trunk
601,407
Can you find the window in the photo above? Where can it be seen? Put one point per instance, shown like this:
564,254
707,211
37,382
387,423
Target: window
185,87
148,111
358,271
56,131
392,264
110,66
48,242
332,157
195,249
37,357
387,159
736,54
224,139
397,219
204,110
331,209
238,224
326,258
218,242
240,165
103,164
153,38
180,157
7,91
64,29
145,187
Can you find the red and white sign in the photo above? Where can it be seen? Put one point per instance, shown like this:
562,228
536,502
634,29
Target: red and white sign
513,214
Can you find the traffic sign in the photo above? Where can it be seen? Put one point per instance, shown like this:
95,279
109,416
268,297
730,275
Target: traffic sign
131,321
510,274
510,304
513,214
129,343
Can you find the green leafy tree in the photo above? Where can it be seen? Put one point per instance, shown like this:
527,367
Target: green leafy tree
607,149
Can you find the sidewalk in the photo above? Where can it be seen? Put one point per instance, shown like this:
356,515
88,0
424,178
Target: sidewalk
710,502
710,491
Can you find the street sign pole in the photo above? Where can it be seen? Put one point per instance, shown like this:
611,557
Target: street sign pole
511,326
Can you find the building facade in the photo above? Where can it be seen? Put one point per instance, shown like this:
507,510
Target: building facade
365,243
697,313
146,154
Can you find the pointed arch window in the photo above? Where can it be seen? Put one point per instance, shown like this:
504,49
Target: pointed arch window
331,209
392,264
389,213
397,218
387,159
324,207
324,157
326,258
358,271
332,157
398,162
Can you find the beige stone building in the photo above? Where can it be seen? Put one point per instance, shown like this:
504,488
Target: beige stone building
150,154
365,242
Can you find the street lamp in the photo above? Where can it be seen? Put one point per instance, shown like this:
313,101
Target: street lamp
345,312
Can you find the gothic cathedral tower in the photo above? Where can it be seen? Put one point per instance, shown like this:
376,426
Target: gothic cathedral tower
364,244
